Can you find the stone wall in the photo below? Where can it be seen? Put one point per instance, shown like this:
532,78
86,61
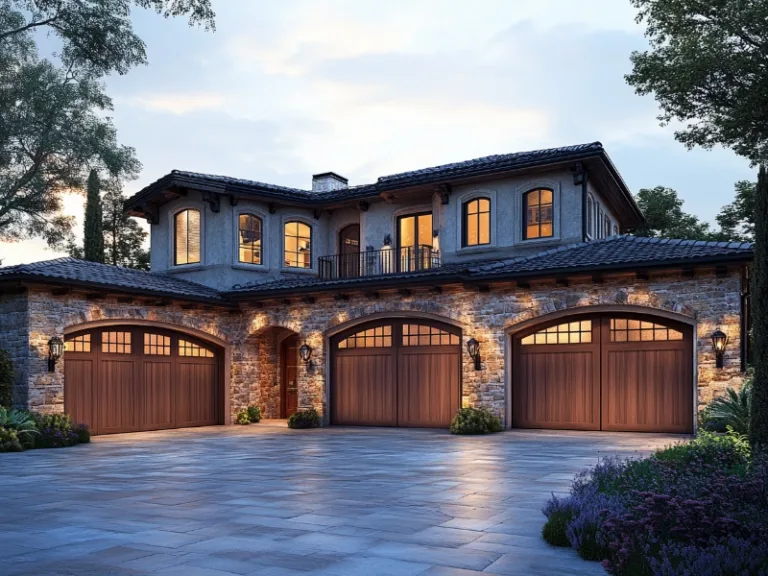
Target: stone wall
14,339
254,335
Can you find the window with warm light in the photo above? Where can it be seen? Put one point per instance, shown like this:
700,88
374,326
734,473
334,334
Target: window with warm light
477,222
250,235
298,245
186,233
538,210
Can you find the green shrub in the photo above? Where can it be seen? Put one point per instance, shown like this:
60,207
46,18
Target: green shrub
83,433
554,529
308,418
475,421
731,450
254,413
55,431
6,379
21,421
9,441
242,417
733,409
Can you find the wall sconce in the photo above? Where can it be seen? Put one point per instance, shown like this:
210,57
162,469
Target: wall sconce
55,350
719,341
473,349
305,352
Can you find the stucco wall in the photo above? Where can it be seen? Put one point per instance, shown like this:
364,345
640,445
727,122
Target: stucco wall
254,335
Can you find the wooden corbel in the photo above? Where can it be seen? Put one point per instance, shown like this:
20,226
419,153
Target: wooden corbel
214,201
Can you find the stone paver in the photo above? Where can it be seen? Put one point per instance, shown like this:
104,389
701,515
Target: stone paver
270,501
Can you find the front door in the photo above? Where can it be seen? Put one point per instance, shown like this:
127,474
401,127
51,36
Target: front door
290,358
414,241
349,244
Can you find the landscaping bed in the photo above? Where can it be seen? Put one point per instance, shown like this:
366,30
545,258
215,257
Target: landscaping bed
23,430
693,509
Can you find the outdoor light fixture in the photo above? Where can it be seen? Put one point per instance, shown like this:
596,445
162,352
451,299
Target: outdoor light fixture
719,341
473,349
306,353
55,350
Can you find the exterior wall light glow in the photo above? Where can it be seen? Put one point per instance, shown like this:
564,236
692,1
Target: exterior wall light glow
473,349
55,350
305,352
719,342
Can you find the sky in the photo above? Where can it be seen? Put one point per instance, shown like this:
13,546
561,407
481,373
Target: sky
283,90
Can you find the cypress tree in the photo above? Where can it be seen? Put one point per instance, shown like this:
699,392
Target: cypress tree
93,238
758,429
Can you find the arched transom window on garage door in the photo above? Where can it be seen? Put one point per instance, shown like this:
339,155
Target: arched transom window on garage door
579,332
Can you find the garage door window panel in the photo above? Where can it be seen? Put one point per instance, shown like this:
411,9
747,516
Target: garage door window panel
633,330
578,332
81,343
157,345
116,342
425,335
191,349
378,337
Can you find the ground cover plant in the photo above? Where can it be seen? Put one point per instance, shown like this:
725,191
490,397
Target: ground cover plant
24,430
698,508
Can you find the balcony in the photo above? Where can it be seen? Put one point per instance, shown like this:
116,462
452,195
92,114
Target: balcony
378,262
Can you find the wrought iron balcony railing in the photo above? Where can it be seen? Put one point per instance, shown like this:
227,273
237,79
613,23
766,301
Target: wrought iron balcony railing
378,262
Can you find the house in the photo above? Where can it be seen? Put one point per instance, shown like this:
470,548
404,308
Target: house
508,282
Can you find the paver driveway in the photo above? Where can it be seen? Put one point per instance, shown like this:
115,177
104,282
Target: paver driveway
271,501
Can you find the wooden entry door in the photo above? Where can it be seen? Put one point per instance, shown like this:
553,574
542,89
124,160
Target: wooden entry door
604,372
131,379
349,247
396,373
289,354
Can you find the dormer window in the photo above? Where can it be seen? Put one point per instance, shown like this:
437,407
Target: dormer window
298,245
538,211
477,222
186,234
250,229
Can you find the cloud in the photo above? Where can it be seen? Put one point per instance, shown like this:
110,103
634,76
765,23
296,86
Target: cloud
177,103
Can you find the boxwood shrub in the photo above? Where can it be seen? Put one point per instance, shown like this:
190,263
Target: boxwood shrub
307,418
475,421
254,413
242,418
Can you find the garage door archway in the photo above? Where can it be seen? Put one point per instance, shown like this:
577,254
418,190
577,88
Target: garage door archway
613,370
139,377
396,372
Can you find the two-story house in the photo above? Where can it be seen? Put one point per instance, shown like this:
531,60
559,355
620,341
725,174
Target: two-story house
508,282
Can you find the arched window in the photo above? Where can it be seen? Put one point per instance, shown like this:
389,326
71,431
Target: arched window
298,245
615,229
250,236
538,211
477,222
186,234
590,216
607,227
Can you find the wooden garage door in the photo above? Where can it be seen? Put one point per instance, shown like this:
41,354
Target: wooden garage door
396,373
130,379
604,372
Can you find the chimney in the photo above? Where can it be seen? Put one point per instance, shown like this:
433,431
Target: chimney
328,181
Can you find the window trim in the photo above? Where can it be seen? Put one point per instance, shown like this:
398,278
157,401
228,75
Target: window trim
172,236
265,230
462,201
286,219
524,214
590,216
606,225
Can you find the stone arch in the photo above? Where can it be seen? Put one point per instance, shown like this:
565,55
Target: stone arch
365,318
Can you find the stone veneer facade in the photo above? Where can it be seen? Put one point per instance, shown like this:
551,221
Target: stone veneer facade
28,320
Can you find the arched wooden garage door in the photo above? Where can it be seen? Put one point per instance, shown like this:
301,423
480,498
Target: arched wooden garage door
396,373
130,379
604,372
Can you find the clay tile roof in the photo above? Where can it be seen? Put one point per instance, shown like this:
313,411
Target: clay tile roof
71,271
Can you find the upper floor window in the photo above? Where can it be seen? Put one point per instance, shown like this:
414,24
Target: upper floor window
600,229
298,245
615,229
590,216
250,233
538,214
477,222
607,227
186,234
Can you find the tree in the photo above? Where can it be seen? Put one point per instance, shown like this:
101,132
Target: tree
708,68
123,237
93,233
665,218
53,126
758,429
737,219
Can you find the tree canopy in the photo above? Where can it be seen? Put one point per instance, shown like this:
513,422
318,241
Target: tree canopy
665,217
707,67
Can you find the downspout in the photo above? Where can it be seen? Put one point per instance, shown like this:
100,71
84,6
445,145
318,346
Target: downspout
580,177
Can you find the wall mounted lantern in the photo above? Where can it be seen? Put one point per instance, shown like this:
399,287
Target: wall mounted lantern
55,350
305,351
719,341
473,349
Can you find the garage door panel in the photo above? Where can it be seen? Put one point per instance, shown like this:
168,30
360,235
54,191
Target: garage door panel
117,390
364,388
428,386
78,400
645,390
557,390
195,394
157,395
